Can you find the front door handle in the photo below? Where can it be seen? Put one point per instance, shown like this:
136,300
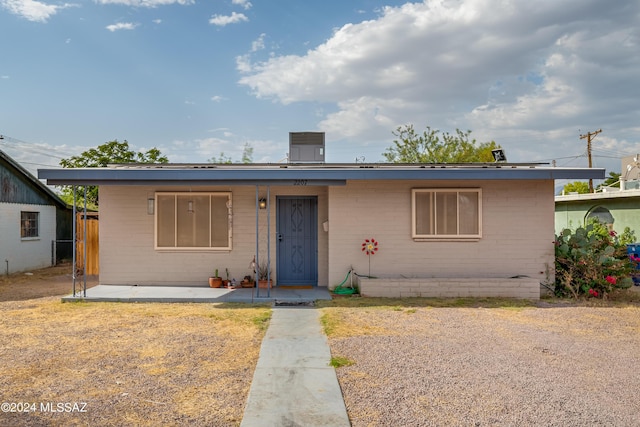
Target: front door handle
279,237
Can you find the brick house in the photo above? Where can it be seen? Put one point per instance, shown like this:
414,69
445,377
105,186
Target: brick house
443,230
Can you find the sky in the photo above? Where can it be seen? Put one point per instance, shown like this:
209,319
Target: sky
198,78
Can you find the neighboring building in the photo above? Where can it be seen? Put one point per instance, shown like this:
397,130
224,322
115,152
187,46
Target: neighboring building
175,224
618,207
32,218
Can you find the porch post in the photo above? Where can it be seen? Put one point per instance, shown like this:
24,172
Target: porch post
84,265
75,242
268,240
255,272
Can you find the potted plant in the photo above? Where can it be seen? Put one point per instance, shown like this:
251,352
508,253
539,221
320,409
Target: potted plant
215,281
264,275
247,282
226,282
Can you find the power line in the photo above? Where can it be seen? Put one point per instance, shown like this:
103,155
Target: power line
31,147
40,164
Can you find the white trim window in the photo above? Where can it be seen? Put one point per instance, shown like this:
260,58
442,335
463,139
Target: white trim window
446,213
193,221
29,225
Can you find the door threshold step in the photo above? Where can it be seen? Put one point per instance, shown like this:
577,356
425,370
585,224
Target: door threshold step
277,303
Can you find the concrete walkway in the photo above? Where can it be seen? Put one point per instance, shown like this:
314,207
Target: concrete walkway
119,293
293,384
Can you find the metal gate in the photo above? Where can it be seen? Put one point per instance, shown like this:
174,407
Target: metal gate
297,245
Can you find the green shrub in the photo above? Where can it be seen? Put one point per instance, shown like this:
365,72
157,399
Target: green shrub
592,261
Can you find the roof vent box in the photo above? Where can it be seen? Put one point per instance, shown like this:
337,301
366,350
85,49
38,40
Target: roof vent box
306,147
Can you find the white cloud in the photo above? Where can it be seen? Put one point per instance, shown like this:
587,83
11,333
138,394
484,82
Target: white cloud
243,63
246,4
146,3
121,26
218,98
502,68
258,44
4,77
33,10
157,21
223,20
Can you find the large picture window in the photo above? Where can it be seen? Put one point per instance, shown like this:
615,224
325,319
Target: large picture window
29,224
193,221
446,213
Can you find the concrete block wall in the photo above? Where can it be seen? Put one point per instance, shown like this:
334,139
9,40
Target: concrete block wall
524,288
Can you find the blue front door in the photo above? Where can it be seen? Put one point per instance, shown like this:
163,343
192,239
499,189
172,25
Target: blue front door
297,240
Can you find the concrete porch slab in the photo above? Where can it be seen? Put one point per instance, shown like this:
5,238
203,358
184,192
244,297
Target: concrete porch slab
121,293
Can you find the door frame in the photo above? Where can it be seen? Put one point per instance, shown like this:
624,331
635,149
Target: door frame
314,218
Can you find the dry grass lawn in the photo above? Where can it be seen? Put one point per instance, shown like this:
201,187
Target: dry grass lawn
132,364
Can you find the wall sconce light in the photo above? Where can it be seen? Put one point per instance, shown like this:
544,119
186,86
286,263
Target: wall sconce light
262,203
190,206
150,203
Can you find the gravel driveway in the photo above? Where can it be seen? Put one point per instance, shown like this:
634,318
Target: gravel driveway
560,366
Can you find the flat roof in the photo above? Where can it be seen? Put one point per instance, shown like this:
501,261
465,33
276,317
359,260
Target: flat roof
305,173
598,196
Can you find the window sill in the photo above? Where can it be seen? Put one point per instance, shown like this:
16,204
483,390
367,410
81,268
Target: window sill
29,239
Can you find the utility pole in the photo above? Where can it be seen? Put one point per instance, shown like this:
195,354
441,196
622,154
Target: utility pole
590,136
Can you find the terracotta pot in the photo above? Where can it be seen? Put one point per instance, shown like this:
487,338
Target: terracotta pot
265,284
215,282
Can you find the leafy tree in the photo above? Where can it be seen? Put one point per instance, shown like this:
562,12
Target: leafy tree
580,187
614,178
247,156
433,147
221,159
101,156
247,153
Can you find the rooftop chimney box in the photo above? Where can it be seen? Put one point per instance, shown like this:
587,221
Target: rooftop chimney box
306,147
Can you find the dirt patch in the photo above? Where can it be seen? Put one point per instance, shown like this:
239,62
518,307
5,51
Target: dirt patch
45,282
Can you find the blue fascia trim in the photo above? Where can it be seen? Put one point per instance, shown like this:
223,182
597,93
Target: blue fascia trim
302,176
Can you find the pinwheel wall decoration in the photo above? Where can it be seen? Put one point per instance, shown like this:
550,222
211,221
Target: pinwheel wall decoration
370,247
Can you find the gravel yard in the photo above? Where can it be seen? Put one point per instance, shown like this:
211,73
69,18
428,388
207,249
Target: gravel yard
555,366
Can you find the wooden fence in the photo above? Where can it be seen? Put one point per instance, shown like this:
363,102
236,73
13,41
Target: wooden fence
93,246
